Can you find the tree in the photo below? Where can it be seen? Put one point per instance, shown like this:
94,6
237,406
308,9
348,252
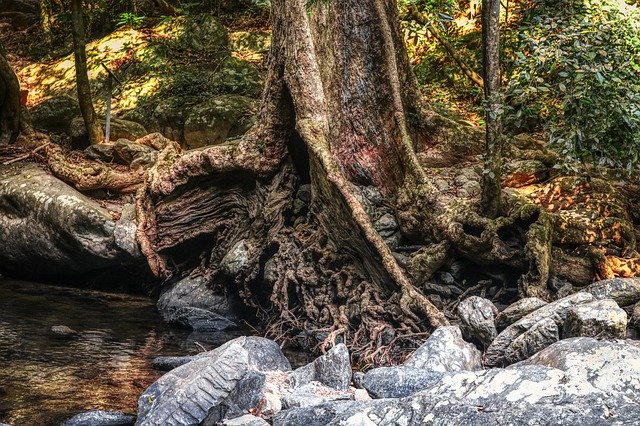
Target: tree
94,130
340,111
9,102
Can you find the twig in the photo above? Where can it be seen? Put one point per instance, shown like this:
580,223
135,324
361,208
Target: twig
27,155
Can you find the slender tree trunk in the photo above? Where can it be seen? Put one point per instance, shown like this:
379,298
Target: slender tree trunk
9,102
94,130
491,190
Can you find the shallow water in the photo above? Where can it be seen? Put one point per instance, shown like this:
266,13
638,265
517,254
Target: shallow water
45,379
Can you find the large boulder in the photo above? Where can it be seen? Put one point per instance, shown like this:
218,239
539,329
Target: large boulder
533,332
517,310
203,33
55,114
217,119
625,291
192,303
120,129
445,350
186,394
398,382
100,418
332,369
477,319
49,228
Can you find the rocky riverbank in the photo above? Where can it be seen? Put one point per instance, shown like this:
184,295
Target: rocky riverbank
566,362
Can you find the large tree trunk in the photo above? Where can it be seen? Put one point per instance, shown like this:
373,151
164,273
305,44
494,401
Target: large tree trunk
341,112
94,130
9,102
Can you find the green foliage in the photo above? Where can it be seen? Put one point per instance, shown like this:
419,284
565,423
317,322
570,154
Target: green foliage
577,77
129,19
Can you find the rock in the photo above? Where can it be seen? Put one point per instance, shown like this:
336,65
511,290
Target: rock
169,116
517,310
256,391
126,151
68,232
217,119
55,114
635,316
191,303
304,193
203,33
186,394
445,351
533,395
610,366
386,225
477,316
314,394
246,420
236,259
168,363
100,152
332,369
470,189
120,129
601,318
373,194
125,232
625,291
533,332
523,172
100,418
63,331
398,382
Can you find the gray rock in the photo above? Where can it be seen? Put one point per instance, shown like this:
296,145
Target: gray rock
168,363
120,129
387,225
635,316
68,233
601,318
332,369
398,382
190,302
477,319
55,114
532,395
187,393
236,259
610,366
63,331
100,152
533,332
373,195
517,310
100,418
126,151
445,350
304,193
246,420
625,291
124,233
313,394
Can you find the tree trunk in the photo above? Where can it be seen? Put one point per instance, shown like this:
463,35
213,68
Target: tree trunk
9,102
491,190
341,114
94,130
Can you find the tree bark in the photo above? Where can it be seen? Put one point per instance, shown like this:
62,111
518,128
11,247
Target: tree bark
491,190
9,102
94,130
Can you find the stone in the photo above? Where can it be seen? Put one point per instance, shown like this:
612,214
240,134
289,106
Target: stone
517,310
68,233
168,363
314,394
235,259
398,382
203,33
217,119
246,420
55,114
516,174
125,231
100,418
386,225
445,350
169,115
63,331
601,318
477,319
610,366
191,303
635,316
532,332
332,369
120,129
373,195
186,394
100,152
126,151
625,291
533,395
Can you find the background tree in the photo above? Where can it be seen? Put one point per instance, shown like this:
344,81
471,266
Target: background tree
9,102
94,130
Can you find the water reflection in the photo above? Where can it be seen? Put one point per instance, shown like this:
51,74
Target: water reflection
44,378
